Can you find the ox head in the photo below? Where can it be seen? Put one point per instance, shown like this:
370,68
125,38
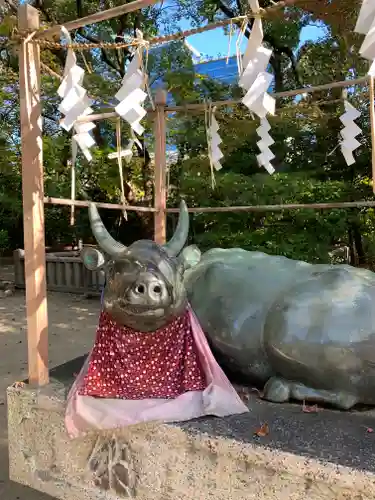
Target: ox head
144,282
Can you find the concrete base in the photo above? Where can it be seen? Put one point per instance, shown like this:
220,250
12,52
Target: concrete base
324,455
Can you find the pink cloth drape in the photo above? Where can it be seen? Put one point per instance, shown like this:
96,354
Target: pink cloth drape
85,413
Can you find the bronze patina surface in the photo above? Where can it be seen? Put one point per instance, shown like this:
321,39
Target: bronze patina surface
304,331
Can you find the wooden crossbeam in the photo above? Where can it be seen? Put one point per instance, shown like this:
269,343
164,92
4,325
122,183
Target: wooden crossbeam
250,208
48,200
232,102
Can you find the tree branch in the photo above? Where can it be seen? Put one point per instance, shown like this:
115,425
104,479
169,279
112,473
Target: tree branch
11,5
110,63
137,23
93,39
239,6
59,53
105,55
293,61
125,51
143,152
284,50
225,9
38,4
51,118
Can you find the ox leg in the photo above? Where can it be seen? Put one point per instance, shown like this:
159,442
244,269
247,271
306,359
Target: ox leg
279,390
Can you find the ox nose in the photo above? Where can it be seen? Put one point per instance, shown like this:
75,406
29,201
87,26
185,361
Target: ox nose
150,289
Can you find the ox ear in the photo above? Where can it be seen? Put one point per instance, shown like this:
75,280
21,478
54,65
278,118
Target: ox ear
190,257
92,258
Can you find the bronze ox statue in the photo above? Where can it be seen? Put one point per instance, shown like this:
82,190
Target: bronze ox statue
306,331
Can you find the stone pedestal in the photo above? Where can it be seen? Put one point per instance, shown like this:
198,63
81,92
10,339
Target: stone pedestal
325,455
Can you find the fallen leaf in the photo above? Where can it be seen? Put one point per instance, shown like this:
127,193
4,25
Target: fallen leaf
257,391
263,430
243,393
310,409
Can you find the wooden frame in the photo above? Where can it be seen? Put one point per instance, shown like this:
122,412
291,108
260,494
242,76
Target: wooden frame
32,165
33,196
32,178
160,191
233,102
372,122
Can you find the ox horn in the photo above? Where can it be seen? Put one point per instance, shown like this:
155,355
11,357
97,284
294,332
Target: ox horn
174,246
102,236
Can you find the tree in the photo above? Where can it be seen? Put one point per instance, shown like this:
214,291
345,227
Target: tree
305,132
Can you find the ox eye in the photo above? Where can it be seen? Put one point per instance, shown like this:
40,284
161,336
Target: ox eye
157,289
140,289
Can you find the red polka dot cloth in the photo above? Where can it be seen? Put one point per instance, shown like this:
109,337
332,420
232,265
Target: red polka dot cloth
127,364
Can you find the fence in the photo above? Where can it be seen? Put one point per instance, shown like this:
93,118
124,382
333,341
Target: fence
65,272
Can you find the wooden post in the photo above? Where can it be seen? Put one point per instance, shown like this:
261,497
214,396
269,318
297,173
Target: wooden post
372,120
160,168
33,195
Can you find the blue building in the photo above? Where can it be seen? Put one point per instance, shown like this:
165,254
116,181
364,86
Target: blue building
221,70
217,69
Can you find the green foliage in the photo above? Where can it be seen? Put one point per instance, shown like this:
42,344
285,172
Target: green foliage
4,240
300,234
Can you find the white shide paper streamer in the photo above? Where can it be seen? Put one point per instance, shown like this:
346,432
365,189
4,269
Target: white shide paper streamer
127,153
366,26
349,132
266,156
75,102
214,141
254,77
256,81
131,95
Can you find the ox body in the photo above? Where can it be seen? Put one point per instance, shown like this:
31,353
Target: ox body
304,331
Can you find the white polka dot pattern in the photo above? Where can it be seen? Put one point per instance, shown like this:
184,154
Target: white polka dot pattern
127,364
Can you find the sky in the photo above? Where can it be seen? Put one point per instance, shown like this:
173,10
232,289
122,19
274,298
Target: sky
215,43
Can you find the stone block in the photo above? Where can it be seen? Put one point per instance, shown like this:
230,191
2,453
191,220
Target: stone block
325,455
